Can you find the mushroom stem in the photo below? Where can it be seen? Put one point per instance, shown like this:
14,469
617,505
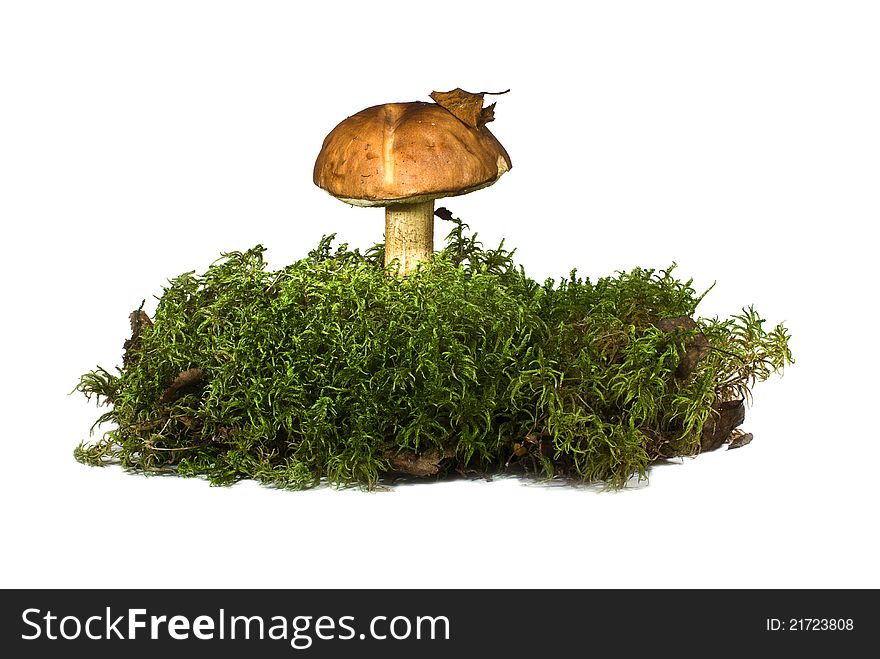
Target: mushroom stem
409,234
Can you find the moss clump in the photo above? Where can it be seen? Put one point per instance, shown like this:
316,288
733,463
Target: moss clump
332,369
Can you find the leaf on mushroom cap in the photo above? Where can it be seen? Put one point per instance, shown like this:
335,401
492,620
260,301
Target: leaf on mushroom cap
467,106
487,114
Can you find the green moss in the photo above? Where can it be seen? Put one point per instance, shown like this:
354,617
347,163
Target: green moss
333,369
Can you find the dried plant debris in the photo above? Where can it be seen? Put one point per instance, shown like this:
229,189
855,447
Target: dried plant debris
330,371
185,382
467,106
739,439
412,463
139,320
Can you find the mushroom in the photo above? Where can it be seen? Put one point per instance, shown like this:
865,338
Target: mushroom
403,156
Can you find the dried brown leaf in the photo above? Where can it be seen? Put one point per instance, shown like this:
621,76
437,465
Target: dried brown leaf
487,114
466,106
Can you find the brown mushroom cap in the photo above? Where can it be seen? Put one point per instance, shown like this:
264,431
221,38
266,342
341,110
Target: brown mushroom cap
407,153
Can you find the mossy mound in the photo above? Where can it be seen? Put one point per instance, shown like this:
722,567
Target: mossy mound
333,369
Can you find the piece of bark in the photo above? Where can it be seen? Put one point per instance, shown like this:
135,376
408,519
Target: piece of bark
693,349
720,424
184,383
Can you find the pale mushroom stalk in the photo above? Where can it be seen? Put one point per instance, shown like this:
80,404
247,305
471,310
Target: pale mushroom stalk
409,234
403,156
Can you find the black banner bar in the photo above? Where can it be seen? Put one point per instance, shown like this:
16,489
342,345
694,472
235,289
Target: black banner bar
318,623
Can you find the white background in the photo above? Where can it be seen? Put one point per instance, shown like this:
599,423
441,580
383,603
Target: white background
738,139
